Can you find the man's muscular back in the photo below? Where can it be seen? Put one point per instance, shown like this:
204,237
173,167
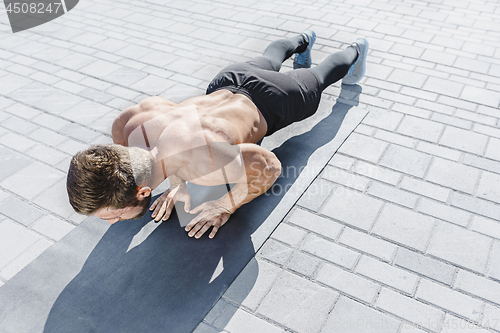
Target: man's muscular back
224,115
191,135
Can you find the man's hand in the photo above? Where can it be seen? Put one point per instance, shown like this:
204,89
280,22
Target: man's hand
164,205
213,214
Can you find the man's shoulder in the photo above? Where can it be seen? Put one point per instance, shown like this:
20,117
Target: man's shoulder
134,115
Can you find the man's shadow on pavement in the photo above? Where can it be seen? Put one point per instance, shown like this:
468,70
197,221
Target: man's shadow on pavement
169,282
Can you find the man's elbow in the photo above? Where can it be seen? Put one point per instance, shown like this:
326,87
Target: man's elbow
273,170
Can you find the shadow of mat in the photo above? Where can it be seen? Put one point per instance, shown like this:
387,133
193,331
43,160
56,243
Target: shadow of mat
94,280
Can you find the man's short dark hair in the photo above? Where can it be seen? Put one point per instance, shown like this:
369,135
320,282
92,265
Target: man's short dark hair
102,176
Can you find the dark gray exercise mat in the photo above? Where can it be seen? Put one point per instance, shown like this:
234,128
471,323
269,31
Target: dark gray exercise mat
130,278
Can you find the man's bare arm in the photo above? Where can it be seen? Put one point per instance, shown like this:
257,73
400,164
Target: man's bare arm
262,168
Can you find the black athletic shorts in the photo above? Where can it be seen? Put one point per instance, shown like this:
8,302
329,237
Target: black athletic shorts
282,98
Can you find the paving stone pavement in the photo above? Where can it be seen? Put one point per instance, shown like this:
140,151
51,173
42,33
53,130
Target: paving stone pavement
399,233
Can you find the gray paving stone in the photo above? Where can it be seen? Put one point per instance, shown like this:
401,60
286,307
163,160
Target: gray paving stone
47,136
298,303
460,246
46,154
351,207
100,68
152,85
16,141
303,264
20,211
407,50
348,283
476,117
481,162
316,194
453,175
12,82
383,119
444,87
486,226
275,252
396,138
52,227
363,147
368,244
244,322
252,284
424,265
345,178
449,300
464,140
438,150
420,128
14,241
330,251
376,172
11,162
55,200
32,180
489,186
351,316
406,160
392,194
315,223
26,257
478,286
387,274
425,188
494,265
439,57
407,78
444,212
476,205
410,309
404,226
481,96
487,130
288,234
85,113
125,76
491,317
58,103
51,122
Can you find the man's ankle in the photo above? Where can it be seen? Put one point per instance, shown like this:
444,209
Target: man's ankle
358,50
304,44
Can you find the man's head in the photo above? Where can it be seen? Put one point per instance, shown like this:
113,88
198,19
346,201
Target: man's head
108,181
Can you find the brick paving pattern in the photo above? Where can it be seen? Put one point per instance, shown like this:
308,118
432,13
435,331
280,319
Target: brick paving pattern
399,233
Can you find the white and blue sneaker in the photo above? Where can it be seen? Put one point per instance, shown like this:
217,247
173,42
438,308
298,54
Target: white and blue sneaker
357,70
303,59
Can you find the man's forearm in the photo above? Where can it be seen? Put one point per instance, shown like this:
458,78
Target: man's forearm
243,193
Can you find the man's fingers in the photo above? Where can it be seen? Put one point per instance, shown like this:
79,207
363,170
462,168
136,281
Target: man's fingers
154,204
202,230
196,228
197,209
192,223
160,210
187,205
168,210
214,231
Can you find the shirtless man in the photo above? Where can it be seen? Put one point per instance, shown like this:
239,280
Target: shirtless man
207,140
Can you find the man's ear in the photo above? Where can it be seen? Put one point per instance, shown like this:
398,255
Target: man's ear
143,193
